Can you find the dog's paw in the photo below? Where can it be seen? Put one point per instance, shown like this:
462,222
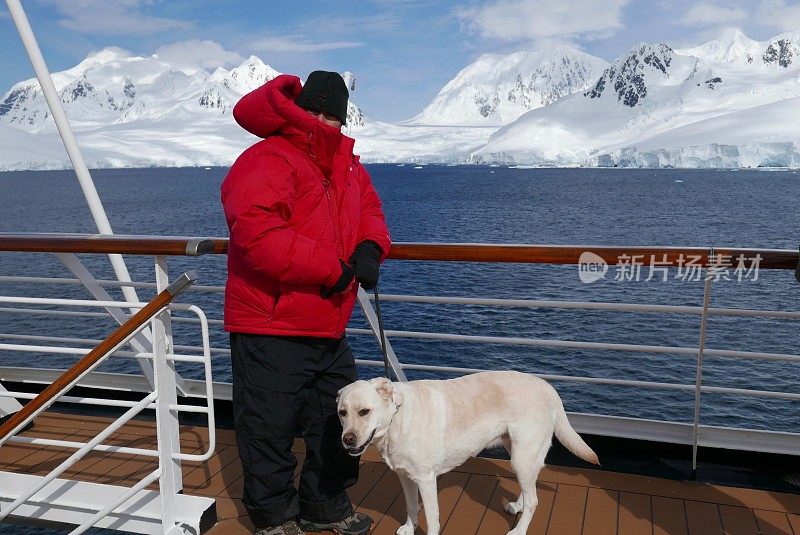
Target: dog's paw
405,529
513,508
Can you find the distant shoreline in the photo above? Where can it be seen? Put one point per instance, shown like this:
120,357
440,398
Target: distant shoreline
412,164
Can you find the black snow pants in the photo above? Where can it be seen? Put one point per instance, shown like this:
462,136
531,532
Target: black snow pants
281,385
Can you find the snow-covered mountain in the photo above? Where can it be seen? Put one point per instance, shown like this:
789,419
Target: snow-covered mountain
496,90
114,87
731,102
728,102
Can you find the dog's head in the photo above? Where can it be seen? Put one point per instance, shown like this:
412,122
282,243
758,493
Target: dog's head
366,409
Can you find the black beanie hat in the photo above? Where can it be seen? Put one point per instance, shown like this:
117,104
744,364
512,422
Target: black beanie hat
325,91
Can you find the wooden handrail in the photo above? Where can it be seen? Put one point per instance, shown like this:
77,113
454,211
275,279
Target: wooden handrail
111,244
453,252
110,344
570,254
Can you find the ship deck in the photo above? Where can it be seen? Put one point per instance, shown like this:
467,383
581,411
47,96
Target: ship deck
571,500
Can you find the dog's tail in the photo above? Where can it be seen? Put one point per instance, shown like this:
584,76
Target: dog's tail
570,439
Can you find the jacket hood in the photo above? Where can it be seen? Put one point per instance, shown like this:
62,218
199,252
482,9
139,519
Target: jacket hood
270,110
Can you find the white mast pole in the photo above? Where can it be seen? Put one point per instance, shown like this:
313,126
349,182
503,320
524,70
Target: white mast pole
68,137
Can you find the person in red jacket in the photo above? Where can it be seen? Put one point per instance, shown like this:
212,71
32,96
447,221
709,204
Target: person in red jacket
306,226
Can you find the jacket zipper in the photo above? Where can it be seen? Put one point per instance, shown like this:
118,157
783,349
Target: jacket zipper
336,232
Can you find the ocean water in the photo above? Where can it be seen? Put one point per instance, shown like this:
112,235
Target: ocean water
490,205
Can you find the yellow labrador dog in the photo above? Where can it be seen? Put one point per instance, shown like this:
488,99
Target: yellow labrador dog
426,428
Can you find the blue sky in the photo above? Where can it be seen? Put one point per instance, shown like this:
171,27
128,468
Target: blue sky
402,51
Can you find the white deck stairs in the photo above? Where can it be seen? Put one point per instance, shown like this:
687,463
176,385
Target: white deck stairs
67,503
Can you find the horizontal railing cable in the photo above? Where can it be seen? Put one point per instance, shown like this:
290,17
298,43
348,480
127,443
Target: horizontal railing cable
619,382
572,344
106,283
491,302
587,305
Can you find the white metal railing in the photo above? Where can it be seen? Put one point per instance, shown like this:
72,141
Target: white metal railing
161,400
204,358
699,434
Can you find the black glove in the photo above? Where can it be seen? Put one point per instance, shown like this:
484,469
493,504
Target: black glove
342,283
366,260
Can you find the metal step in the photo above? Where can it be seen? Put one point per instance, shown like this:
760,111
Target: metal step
71,503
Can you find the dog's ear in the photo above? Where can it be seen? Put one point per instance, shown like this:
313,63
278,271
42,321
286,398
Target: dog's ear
397,397
383,387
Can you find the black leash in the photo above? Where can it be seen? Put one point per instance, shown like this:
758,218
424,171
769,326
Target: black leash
386,367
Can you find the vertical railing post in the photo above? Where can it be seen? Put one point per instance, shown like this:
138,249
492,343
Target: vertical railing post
167,427
698,384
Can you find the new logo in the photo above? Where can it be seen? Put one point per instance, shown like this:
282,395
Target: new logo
591,267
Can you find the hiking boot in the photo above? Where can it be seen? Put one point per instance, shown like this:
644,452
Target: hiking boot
355,524
287,528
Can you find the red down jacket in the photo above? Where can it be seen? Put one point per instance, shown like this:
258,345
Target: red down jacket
295,203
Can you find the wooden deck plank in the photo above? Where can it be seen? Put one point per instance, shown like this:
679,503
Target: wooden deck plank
43,460
71,421
703,518
635,514
794,521
235,490
14,452
380,499
737,520
117,471
541,517
471,505
772,523
98,463
496,519
669,516
393,517
602,512
230,508
369,473
79,435
301,457
451,486
226,437
567,515
197,475
232,526
114,467
700,492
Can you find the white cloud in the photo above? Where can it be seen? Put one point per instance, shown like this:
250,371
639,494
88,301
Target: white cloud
529,20
117,17
777,14
708,14
195,54
298,45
